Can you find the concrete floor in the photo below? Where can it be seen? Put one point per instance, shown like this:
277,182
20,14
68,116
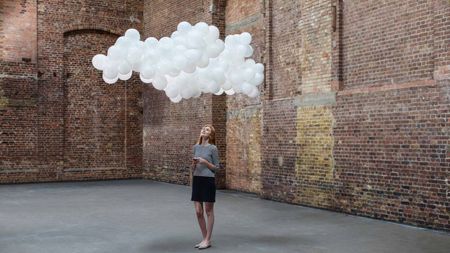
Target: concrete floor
146,216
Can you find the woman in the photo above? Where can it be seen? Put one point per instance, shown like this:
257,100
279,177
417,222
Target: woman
205,164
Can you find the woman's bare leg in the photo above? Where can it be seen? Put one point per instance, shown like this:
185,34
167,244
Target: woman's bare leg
209,209
201,219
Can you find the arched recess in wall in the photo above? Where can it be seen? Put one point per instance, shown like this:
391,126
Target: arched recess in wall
94,112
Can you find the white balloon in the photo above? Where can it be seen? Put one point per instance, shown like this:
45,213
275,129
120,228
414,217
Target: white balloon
220,92
151,42
240,51
124,68
145,80
109,80
99,61
164,66
248,74
202,27
173,71
126,76
184,26
166,43
180,41
193,55
247,88
218,76
204,61
134,54
230,92
175,34
249,51
159,82
214,49
195,40
237,88
227,85
231,40
179,49
176,99
186,92
245,38
258,79
180,62
213,34
115,53
152,55
213,87
254,93
190,69
203,85
171,90
197,93
123,42
137,66
132,34
250,62
140,44
259,68
236,77
148,71
111,71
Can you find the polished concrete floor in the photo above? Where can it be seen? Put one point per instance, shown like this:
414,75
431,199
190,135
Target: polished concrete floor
145,216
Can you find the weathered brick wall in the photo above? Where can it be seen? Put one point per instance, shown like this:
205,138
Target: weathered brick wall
59,120
391,43
17,42
379,146
391,130
244,128
170,130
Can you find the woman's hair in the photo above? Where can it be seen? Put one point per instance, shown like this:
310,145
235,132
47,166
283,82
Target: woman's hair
212,136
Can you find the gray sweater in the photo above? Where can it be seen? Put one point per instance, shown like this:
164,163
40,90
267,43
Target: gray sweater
208,152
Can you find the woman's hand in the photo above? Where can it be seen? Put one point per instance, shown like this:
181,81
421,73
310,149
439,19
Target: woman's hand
201,160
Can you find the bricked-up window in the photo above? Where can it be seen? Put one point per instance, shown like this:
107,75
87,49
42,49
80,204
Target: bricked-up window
18,30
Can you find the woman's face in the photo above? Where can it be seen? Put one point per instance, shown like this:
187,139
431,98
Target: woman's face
206,131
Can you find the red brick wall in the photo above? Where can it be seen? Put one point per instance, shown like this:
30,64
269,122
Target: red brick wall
387,42
285,47
170,130
17,42
349,151
391,136
59,120
243,113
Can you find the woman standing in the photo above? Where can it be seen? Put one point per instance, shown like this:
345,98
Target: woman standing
205,164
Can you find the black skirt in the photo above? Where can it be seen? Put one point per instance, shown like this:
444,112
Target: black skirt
203,189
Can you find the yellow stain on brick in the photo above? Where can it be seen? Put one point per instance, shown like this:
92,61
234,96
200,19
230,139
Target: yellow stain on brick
3,102
315,163
244,152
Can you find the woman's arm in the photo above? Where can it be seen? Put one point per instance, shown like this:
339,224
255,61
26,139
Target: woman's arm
214,166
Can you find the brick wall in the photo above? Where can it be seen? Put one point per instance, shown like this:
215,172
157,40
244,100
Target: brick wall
17,42
59,120
391,130
354,109
244,122
170,130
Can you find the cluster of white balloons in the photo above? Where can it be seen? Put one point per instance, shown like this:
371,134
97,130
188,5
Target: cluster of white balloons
191,62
